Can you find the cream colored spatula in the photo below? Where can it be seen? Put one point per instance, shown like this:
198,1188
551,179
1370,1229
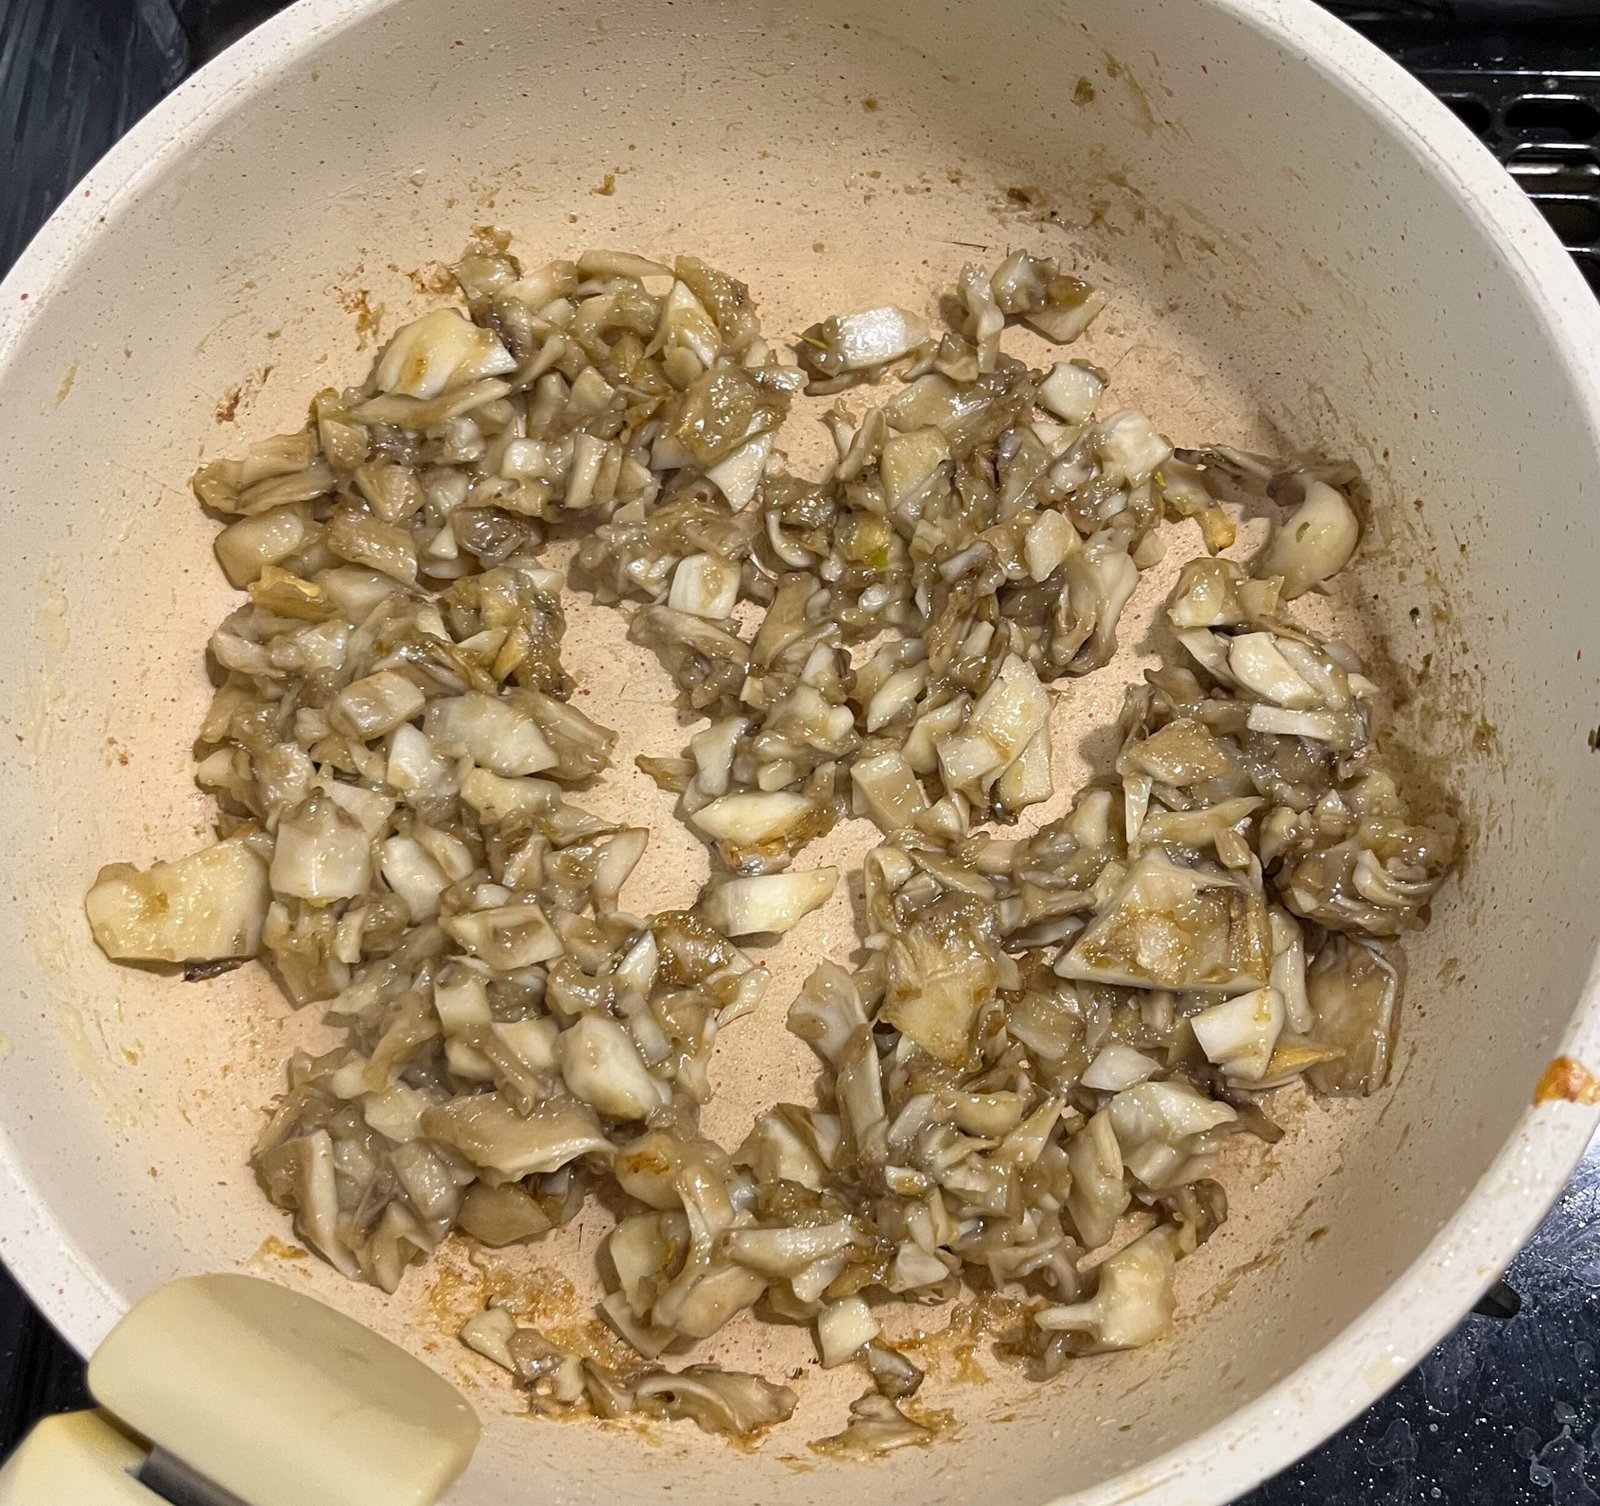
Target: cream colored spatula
230,1391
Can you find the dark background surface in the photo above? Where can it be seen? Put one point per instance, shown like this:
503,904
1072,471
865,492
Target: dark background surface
1506,1411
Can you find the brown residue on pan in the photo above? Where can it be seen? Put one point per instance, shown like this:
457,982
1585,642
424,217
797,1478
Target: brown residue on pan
952,1352
433,277
1567,1080
368,316
535,1295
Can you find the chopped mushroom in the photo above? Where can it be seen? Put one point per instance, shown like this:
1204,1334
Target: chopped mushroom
1314,543
717,1401
439,350
490,1133
601,1065
877,1426
1133,1303
942,970
1239,1033
1045,1026
843,1329
1172,926
769,904
892,1373
1353,990
490,1333
860,342
209,905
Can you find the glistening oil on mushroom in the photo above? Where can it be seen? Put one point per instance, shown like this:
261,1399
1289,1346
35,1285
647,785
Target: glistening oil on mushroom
1052,1028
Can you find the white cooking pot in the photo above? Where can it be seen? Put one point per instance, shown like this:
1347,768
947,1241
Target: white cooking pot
1303,249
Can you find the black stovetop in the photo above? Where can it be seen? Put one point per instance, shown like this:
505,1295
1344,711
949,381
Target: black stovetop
1506,1411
